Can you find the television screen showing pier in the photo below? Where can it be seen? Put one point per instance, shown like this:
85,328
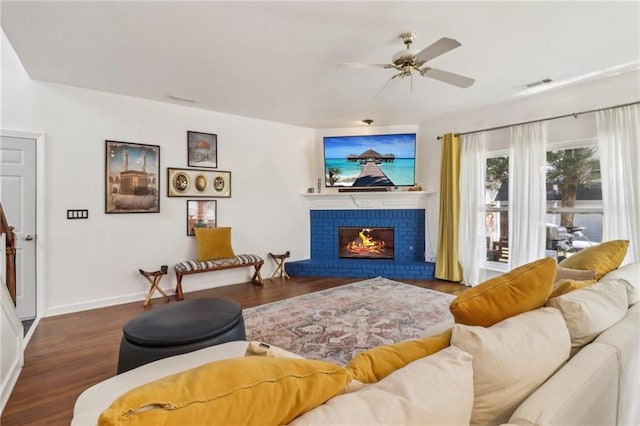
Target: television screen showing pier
370,160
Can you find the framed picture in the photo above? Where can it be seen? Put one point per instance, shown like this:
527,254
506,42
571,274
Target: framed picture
200,214
132,178
198,183
202,150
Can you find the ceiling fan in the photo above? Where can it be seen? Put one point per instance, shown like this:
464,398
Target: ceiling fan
407,61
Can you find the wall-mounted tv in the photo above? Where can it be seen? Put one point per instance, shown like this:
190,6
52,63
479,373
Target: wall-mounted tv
370,160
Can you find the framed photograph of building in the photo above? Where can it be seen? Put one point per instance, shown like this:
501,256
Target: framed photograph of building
132,178
198,183
202,150
200,214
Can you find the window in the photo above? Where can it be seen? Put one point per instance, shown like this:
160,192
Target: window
574,200
497,208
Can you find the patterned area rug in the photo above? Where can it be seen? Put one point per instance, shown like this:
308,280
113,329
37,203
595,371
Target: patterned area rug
336,324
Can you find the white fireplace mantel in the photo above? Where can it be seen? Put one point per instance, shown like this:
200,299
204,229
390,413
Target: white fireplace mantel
391,200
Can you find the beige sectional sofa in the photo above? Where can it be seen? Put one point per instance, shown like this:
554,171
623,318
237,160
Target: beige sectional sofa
573,361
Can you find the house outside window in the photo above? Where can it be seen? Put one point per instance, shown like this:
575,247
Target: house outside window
573,201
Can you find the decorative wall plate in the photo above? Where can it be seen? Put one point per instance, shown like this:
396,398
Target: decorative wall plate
198,183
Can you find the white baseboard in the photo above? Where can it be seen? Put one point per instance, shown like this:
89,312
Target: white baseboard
95,304
189,283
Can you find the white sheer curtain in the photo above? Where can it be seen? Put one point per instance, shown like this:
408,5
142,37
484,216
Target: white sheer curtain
471,234
527,193
619,146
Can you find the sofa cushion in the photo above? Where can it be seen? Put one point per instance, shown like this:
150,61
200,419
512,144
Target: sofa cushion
601,258
566,285
511,359
247,390
213,243
591,310
377,363
574,274
630,275
582,392
624,337
434,390
523,289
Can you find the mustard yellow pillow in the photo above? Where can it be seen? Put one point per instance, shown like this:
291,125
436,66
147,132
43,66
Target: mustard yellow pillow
213,243
521,290
601,258
566,285
246,390
377,363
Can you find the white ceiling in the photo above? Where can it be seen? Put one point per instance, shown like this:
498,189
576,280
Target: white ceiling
278,60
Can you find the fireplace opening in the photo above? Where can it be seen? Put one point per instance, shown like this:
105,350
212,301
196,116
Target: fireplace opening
365,243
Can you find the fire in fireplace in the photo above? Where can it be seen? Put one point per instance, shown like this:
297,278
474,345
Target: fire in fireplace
367,243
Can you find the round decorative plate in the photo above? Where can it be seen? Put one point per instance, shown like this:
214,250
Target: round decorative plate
181,182
201,183
218,184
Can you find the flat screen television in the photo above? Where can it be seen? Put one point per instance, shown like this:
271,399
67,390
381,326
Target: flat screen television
370,160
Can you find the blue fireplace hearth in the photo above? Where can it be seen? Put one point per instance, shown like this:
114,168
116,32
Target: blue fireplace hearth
409,245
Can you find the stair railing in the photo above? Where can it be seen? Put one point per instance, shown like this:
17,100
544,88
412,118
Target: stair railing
10,251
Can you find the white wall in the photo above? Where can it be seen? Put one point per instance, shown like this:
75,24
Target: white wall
612,91
95,262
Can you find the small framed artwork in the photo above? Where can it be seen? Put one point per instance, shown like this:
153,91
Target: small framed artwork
202,150
200,214
132,176
198,183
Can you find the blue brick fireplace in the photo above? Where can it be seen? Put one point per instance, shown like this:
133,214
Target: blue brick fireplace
409,245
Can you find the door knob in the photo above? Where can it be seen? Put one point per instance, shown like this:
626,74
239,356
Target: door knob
28,237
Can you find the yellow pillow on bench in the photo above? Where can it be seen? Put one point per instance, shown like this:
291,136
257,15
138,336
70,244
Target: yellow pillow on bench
213,243
246,390
377,363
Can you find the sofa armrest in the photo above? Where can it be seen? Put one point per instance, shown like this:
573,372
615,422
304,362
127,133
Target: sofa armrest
583,391
99,397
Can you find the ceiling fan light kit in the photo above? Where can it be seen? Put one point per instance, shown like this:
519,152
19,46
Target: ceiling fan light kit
407,61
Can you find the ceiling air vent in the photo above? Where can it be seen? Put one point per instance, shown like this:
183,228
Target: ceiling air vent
181,99
538,83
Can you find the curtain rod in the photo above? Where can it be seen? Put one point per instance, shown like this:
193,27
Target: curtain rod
575,115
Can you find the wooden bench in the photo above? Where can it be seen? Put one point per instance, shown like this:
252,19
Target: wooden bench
196,267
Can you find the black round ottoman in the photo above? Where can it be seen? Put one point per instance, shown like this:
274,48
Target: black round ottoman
179,328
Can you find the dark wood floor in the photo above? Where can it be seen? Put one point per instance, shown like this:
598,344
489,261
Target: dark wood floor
69,353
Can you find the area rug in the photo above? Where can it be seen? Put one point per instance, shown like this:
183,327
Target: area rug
336,324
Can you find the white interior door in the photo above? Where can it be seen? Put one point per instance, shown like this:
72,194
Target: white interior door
18,197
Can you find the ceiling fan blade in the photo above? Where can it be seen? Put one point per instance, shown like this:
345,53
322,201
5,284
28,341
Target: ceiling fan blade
356,65
447,77
436,49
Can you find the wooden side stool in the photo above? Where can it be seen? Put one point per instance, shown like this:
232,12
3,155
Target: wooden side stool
280,259
154,278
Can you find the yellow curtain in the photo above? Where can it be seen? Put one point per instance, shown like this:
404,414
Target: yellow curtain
447,265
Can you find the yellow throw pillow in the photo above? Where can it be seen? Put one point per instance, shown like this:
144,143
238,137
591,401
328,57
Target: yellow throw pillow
601,258
246,390
521,290
377,363
565,286
213,243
